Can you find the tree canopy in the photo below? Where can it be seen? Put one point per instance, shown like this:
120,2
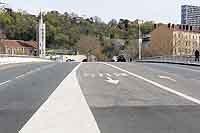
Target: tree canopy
65,30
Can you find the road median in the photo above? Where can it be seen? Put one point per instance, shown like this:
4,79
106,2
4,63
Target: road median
65,111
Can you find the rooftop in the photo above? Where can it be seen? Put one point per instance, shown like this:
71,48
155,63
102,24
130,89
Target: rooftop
18,43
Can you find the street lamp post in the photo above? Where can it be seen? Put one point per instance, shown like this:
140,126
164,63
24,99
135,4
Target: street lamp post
140,44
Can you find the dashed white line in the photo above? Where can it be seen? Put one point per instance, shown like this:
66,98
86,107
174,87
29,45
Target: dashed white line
195,100
3,83
100,74
124,74
20,76
108,74
120,74
93,75
166,77
27,73
86,75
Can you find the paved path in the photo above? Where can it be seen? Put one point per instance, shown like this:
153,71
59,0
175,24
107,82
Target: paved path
122,98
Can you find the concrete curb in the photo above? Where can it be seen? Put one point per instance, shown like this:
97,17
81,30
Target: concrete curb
66,111
168,62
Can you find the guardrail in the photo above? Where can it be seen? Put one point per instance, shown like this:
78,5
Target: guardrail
175,59
23,56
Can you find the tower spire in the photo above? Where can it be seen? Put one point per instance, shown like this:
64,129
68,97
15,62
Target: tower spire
41,17
41,38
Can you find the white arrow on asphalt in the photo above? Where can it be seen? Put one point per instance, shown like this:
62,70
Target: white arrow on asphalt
92,75
111,81
100,74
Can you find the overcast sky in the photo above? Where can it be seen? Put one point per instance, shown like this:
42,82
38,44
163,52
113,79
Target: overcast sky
156,10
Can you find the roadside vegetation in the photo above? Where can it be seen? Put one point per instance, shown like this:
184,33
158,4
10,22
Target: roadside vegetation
72,32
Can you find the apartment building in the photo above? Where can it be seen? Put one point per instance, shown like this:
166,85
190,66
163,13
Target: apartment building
171,39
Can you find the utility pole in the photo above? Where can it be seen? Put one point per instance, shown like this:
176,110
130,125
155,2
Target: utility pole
140,43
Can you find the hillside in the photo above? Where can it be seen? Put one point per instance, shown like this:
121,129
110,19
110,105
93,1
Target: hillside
64,31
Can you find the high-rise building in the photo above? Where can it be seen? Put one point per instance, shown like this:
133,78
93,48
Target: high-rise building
41,37
190,15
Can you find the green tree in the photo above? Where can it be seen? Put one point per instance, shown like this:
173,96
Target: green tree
147,27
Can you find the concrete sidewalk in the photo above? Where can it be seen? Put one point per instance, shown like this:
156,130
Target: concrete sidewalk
66,111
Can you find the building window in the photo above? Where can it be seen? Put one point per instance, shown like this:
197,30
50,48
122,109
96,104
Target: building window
174,35
179,49
186,36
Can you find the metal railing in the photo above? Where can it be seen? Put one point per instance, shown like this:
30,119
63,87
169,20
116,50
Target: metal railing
24,56
175,59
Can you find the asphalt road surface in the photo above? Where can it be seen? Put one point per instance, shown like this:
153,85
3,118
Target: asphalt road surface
123,97
142,98
24,87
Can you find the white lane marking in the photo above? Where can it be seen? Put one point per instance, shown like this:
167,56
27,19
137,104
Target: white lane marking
112,81
166,77
100,74
93,75
116,74
124,74
20,76
27,73
30,72
86,75
109,75
66,106
195,100
120,74
3,83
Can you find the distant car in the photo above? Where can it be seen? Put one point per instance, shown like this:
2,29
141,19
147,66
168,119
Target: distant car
70,60
85,60
114,59
121,58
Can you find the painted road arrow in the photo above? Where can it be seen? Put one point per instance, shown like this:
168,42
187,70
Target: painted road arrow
111,81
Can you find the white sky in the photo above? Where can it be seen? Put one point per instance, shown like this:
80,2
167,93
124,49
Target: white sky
156,10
